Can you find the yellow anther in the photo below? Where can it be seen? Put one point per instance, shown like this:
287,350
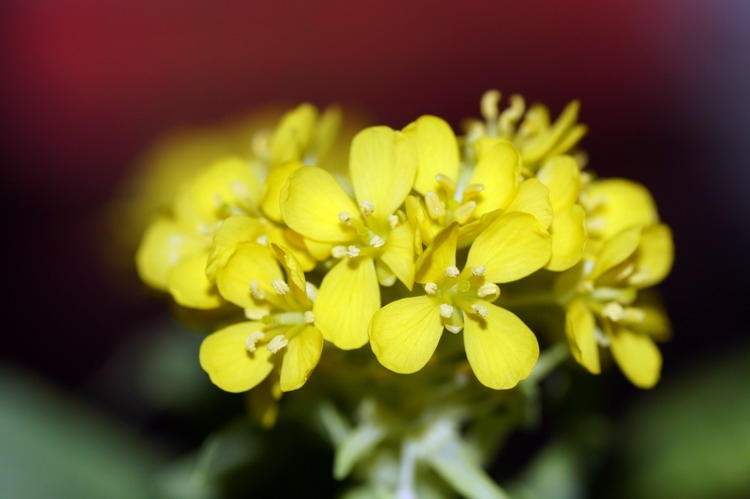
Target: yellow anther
435,207
255,314
309,317
446,183
473,190
367,208
464,212
353,251
377,241
511,115
280,286
257,293
478,270
446,311
480,310
489,104
277,343
430,288
393,220
488,290
345,217
253,339
452,271
338,251
613,311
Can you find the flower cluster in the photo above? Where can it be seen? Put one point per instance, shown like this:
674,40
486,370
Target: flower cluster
414,236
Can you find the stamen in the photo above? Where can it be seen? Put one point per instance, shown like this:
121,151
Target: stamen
311,290
464,212
367,208
478,270
255,314
479,309
280,286
262,239
338,251
377,241
613,311
625,272
452,271
309,317
277,343
435,207
353,251
601,338
446,310
446,183
345,217
511,115
640,276
489,104
473,190
393,220
430,288
489,289
596,224
257,293
633,314
253,339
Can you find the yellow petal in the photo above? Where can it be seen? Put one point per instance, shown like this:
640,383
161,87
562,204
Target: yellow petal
263,402
383,164
654,257
311,202
319,250
294,274
293,242
533,197
638,357
540,146
514,246
293,134
189,286
231,367
348,296
568,231
398,253
655,322
301,356
405,333
616,250
616,204
497,170
163,245
326,132
417,214
437,152
563,178
249,262
569,140
467,233
501,349
439,255
233,231
580,330
275,182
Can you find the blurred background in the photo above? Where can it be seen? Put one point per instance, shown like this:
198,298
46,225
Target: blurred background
88,86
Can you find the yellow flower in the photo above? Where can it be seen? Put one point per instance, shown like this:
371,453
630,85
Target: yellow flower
605,309
374,242
615,204
500,348
281,332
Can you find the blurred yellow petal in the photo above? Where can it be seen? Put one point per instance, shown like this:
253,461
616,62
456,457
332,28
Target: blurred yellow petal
417,214
293,134
655,322
501,349
326,132
580,329
163,245
437,152
383,164
348,297
568,231
293,242
616,204
638,357
301,356
311,202
614,251
654,257
249,262
275,182
497,170
405,333
533,197
540,146
189,286
234,230
569,140
319,250
514,246
398,253
229,364
439,255
563,178
263,402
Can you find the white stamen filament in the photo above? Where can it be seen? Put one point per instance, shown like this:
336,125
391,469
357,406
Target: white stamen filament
446,310
452,271
253,339
309,317
367,208
345,217
277,343
479,309
478,270
376,241
353,251
430,288
280,286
